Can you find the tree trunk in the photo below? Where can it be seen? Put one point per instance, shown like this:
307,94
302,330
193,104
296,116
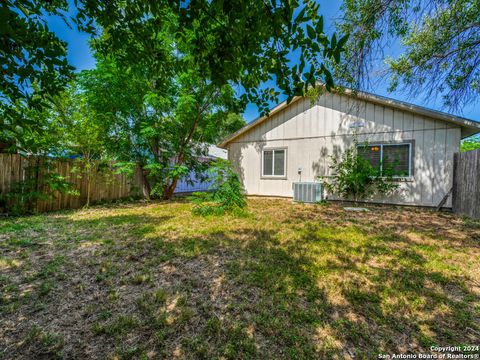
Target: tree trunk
88,168
34,204
170,189
89,189
145,185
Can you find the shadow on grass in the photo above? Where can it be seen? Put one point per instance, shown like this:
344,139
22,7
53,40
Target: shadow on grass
319,291
331,297
392,293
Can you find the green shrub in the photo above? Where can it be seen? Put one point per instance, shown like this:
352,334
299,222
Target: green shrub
354,178
226,192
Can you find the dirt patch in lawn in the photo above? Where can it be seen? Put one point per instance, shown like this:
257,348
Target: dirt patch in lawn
284,281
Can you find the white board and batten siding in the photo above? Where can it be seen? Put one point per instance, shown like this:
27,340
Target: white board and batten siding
312,132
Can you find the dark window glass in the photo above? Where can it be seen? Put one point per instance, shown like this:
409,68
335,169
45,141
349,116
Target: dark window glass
371,154
393,159
279,162
396,159
268,162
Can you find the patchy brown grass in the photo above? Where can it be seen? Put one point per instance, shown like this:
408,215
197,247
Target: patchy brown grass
284,281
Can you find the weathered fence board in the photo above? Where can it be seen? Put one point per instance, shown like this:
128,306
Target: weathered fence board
105,185
466,184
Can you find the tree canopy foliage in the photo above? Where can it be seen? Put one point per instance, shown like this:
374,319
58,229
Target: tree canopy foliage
237,43
32,60
439,41
163,127
30,52
245,43
471,143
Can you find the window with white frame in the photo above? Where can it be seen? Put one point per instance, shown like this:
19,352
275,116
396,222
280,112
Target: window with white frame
391,159
274,162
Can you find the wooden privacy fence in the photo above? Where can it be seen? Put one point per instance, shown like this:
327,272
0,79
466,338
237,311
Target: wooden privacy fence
466,184
105,184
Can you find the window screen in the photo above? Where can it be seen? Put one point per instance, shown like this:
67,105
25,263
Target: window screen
391,159
372,154
279,163
274,162
396,159
268,162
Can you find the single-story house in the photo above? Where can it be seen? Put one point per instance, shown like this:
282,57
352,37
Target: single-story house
295,142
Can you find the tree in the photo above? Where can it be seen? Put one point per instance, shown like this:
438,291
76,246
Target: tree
82,134
66,126
201,114
41,139
121,100
33,61
440,42
471,143
162,130
243,43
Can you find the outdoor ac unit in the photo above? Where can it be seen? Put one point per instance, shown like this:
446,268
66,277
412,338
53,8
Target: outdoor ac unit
308,192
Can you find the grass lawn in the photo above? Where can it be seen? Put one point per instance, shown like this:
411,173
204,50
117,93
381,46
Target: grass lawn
285,281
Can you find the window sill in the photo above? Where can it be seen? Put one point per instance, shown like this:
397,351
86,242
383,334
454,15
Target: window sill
273,178
398,179
403,179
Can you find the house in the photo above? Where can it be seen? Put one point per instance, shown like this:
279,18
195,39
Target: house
199,182
296,141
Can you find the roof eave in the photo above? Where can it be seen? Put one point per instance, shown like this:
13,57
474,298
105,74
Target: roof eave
469,127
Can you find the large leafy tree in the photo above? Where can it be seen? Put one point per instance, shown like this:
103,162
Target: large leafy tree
439,42
160,124
43,136
202,109
120,99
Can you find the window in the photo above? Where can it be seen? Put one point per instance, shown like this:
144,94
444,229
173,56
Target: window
392,159
274,162
372,154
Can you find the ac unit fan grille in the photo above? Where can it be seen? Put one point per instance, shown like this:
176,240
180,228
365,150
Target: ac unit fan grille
308,192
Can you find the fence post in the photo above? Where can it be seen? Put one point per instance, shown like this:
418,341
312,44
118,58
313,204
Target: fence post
455,182
466,191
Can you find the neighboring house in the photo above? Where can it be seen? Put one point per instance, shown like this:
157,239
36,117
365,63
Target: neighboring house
296,141
193,182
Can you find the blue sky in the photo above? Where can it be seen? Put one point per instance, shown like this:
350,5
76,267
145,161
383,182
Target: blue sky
81,58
